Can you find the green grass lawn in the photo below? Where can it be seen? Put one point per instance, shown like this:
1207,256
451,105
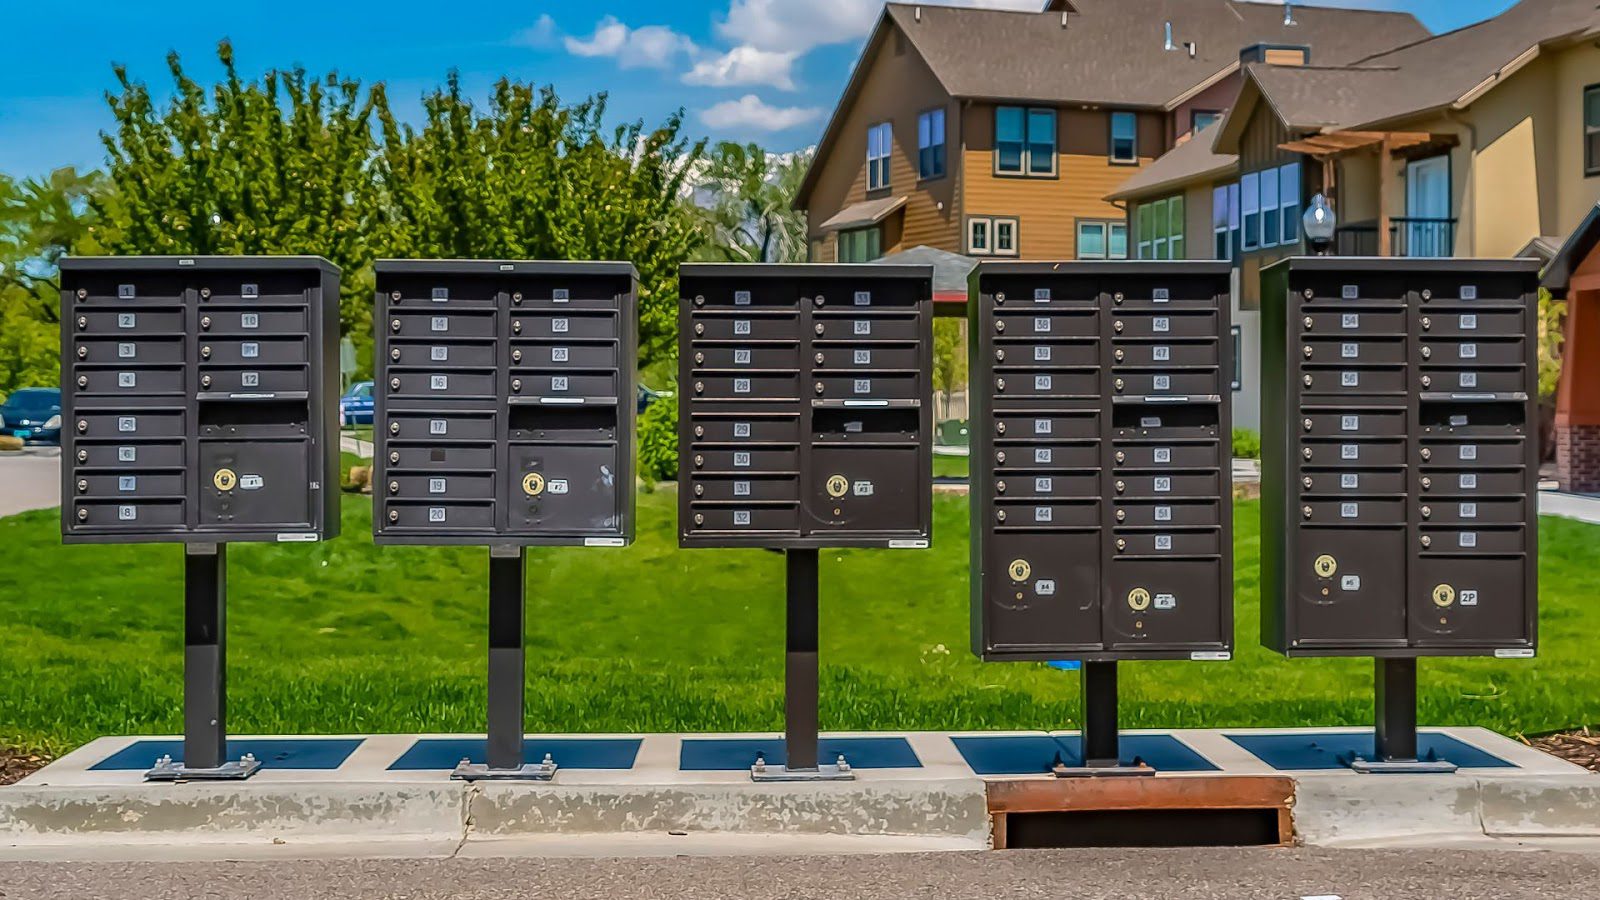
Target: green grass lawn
342,637
950,466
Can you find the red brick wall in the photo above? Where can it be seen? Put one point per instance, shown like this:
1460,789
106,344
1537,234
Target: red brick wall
1578,458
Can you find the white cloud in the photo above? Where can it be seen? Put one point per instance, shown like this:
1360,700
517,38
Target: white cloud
746,65
540,35
649,47
799,25
752,112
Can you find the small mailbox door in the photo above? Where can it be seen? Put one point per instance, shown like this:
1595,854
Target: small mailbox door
571,489
257,484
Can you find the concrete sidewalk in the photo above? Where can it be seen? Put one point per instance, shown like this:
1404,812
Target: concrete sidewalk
1581,507
29,479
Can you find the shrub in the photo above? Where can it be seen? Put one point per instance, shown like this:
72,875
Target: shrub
658,440
1246,444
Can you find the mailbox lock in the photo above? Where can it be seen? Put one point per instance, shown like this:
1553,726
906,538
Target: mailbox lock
1427,453
83,352
1000,456
1121,456
699,299
83,485
1121,486
394,515
1307,482
83,514
820,358
83,293
225,479
999,325
699,460
394,458
1000,427
1120,354
699,431
1306,381
838,486
1443,595
1308,293
1117,326
395,296
1000,297
394,384
1427,482
83,321
516,327
1307,453
999,487
699,328
1427,381
1000,515
83,381
1138,599
205,352
1308,351
83,456
1122,514
820,329
516,356
1120,384
516,384
1427,541
1427,512
699,387
699,519
1117,297
205,322
999,356
1427,293
1427,323
395,354
205,381
533,484
1427,353
820,387
699,490
394,487
699,358
1000,384
394,427
1305,511
1019,570
394,325
1307,322
205,293
1325,566
1307,424
83,426
1122,544
516,297
820,300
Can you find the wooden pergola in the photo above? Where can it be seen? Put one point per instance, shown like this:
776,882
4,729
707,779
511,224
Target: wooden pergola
1329,147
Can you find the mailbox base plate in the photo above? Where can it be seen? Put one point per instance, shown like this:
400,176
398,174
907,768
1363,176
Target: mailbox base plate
826,772
1064,771
471,771
1401,766
166,769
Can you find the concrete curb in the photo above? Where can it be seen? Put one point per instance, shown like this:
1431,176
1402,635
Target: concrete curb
1342,811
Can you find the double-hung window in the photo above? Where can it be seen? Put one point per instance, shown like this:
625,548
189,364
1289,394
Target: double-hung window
861,245
1160,225
1102,240
1250,203
880,141
1269,209
1124,137
1289,198
992,236
1591,130
1024,141
930,144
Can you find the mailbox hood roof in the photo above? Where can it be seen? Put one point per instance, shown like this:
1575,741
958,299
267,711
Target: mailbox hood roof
206,263
804,270
1401,264
502,267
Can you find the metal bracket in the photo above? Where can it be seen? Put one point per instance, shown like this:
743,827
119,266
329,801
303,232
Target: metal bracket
1430,766
838,771
1061,770
167,770
471,771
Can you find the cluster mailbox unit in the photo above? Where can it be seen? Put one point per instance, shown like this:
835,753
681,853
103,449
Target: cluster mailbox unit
199,406
505,418
805,423
1101,508
1399,489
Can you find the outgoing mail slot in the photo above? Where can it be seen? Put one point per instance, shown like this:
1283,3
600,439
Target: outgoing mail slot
1466,353
866,328
130,351
1354,512
564,356
742,518
1349,422
1479,602
439,457
441,516
441,383
1155,384
1147,354
751,488
1168,543
1057,601
1362,322
264,321
1353,453
251,352
128,424
440,325
1352,380
864,489
866,387
1159,486
747,429
1486,322
1165,293
1176,324
266,487
753,357
866,358
129,321
1166,456
750,387
442,354
1045,355
1475,511
1009,382
1350,351
1376,482
1046,426
1473,541
1036,514
129,455
1472,454
451,486
435,426
1340,578
1437,482
253,381
1030,456
578,385
756,459
141,515
1174,514
1038,484
1183,608
746,328
1473,381
128,381
128,484
1025,323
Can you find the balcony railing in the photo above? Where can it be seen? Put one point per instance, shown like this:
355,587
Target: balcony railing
1407,237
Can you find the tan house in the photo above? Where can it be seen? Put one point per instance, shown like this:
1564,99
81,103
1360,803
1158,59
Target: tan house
995,133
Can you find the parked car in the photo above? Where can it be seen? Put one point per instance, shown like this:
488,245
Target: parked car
33,414
355,407
647,397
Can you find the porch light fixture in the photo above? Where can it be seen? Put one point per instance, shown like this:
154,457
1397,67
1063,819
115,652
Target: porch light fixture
1319,223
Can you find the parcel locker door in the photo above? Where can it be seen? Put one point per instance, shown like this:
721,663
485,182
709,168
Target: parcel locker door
864,489
1480,602
1153,603
1347,586
1042,591
560,488
254,484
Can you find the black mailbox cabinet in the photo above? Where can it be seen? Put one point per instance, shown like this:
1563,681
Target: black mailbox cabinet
199,399
1101,505
1400,457
806,413
506,401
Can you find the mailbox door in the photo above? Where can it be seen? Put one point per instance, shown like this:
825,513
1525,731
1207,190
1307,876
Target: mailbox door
1055,603
1171,603
568,489
1476,602
254,484
869,489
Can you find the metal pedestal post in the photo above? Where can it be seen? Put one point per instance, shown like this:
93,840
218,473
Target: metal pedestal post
205,674
1395,735
1101,751
800,681
508,568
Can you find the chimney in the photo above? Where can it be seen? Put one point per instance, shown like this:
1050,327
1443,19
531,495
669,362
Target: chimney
1169,45
1063,18
919,15
1288,13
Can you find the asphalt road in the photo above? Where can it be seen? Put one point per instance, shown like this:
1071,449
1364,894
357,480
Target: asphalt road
29,480
1054,874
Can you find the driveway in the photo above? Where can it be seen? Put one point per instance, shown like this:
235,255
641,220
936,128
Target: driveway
29,480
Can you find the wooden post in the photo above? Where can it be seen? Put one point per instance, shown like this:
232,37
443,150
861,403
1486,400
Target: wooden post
1385,245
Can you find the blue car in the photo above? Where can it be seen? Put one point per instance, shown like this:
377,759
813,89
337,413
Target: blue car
33,414
647,397
355,407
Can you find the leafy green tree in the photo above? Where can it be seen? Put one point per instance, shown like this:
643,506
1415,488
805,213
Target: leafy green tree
748,212
949,358
275,166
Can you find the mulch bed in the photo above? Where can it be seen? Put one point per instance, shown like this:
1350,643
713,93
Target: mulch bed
16,764
1580,747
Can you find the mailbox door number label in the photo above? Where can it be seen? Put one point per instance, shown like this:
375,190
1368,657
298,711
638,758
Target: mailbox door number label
862,326
1163,484
560,326
1349,379
249,320
1162,324
741,460
439,354
1161,454
1161,353
1041,426
439,382
862,357
741,429
440,323
1350,321
741,385
1041,455
1041,325
741,326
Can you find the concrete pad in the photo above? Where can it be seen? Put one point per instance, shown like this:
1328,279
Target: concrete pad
1334,810
1553,806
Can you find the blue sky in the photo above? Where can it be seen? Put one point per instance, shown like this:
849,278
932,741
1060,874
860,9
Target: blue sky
765,70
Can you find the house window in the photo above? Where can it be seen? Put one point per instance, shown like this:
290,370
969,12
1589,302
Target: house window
930,144
1124,137
1270,212
992,236
1200,119
1024,141
861,245
1250,204
1102,240
1591,130
879,142
1238,358
1289,197
1222,245
1161,229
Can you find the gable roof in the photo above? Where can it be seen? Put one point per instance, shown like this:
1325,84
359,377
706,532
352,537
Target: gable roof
1574,251
1108,52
